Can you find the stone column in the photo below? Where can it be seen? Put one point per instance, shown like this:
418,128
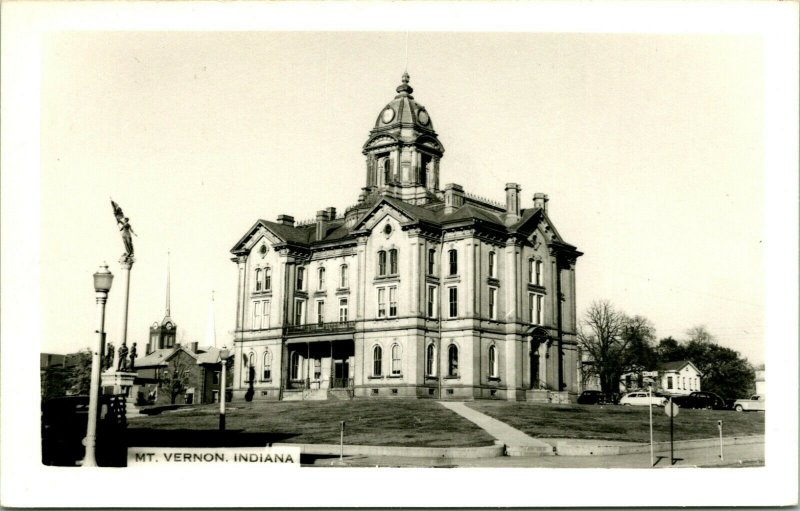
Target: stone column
414,265
361,276
126,262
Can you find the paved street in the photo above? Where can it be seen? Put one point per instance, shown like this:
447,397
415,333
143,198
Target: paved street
735,456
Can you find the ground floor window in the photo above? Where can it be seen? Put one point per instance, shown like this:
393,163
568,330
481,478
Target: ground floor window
294,366
377,362
396,359
493,361
430,360
267,373
452,360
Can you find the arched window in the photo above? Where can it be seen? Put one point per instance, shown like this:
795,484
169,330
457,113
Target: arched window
452,360
267,278
531,271
393,261
377,361
493,361
492,264
430,360
301,273
343,276
251,366
258,280
294,366
381,262
452,257
267,374
538,265
396,359
321,278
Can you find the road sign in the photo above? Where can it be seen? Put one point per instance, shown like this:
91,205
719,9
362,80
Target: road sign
650,374
671,409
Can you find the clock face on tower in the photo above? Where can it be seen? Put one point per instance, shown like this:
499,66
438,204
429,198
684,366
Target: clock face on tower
423,117
387,115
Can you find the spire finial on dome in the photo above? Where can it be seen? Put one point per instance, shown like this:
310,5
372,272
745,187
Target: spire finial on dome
405,87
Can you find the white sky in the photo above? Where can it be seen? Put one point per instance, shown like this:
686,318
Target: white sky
650,147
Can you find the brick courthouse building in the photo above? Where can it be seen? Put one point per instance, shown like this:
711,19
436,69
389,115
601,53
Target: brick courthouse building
417,290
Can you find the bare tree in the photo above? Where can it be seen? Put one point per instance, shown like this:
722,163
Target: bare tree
600,335
176,378
699,333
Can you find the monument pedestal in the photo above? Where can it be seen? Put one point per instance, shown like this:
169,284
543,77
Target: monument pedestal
118,382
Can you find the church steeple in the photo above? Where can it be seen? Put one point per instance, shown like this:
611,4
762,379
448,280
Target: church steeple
403,150
162,335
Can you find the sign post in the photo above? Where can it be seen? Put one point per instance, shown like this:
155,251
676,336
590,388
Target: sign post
650,401
672,410
341,442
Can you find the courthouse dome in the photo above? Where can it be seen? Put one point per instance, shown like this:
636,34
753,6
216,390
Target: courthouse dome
403,110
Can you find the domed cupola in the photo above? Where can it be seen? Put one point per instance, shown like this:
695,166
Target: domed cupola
404,111
403,150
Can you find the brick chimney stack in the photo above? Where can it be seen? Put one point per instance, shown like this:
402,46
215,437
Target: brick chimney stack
512,202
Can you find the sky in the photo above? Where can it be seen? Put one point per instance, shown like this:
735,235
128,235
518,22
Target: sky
650,147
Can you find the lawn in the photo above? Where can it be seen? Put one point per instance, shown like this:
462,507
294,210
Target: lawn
398,423
616,422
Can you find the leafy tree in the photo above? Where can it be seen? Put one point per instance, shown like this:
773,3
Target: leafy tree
640,354
81,374
176,378
670,350
724,371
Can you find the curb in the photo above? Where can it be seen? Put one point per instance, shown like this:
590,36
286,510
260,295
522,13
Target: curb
489,451
564,447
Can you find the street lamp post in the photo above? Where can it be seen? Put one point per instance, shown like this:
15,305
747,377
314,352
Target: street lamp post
102,285
223,358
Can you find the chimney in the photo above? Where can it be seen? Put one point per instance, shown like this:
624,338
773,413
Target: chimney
322,216
331,213
286,220
540,201
453,197
193,347
512,201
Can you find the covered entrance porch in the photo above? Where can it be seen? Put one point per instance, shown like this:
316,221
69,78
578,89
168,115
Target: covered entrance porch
318,368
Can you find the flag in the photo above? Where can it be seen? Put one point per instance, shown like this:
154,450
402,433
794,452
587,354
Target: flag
117,211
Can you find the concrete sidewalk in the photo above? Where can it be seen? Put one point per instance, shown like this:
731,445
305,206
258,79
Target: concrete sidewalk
747,455
517,443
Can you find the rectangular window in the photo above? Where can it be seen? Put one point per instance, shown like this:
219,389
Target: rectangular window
492,269
492,303
431,301
381,263
343,276
343,309
256,315
392,302
321,279
453,297
265,316
299,312
215,378
381,302
431,261
531,308
317,368
301,273
453,260
320,312
393,262
669,382
539,309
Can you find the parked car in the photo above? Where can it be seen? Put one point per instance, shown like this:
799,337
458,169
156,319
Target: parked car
592,397
642,399
700,399
754,403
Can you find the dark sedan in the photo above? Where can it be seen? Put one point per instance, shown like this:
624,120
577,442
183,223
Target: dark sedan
591,397
707,400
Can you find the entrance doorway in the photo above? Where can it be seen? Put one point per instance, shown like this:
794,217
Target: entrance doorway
341,374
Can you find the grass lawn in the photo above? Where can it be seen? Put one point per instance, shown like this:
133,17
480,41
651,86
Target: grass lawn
411,423
614,422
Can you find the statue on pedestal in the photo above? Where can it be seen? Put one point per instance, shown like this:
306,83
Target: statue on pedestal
124,228
123,358
133,356
108,361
